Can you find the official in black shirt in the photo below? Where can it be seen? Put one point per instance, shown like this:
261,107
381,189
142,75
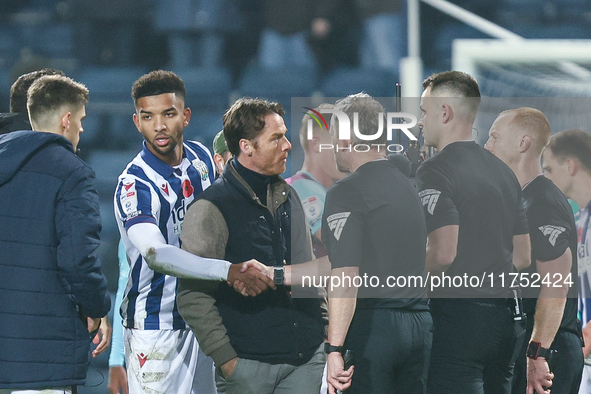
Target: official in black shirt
476,230
549,289
373,227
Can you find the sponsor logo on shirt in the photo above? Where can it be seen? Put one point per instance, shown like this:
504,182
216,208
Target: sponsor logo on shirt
178,216
164,188
429,198
202,168
552,232
128,200
336,223
312,208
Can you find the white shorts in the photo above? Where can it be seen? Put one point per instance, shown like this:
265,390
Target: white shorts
45,391
585,387
166,361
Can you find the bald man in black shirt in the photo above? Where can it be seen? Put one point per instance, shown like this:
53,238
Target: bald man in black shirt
518,137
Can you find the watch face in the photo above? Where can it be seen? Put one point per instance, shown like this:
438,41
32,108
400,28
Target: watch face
533,350
278,275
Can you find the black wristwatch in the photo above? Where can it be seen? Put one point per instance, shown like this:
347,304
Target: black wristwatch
328,348
278,275
536,350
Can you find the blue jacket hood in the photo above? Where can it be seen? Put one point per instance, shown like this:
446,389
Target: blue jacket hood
14,121
19,146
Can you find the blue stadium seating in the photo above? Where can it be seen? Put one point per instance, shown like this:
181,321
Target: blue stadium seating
110,84
203,126
344,81
5,83
206,88
54,41
278,84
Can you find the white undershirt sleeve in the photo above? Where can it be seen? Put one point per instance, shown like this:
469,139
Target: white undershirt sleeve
171,260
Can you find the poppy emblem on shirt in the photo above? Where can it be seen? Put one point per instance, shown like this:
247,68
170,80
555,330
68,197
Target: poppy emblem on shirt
142,359
187,188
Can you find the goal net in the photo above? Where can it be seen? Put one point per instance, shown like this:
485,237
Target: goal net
553,76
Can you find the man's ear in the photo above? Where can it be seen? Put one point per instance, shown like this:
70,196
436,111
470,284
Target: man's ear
65,121
187,116
524,143
246,147
572,165
447,113
313,144
136,121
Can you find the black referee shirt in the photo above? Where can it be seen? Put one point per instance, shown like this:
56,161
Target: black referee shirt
466,185
552,230
373,220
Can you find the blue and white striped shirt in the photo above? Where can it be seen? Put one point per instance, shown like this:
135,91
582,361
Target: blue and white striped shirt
584,262
151,191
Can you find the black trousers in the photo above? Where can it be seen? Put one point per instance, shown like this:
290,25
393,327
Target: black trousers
475,344
567,364
391,349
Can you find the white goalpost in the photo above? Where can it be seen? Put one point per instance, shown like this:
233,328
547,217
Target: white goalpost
551,75
569,57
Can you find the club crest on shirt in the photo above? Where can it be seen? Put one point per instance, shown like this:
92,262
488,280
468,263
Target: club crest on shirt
429,198
336,222
201,167
552,232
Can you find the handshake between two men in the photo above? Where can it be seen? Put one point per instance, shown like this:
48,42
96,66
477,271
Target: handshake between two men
251,277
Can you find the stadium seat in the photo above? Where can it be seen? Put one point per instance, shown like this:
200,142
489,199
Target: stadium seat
554,31
344,81
110,84
54,41
108,165
204,126
122,132
278,84
5,83
94,129
10,45
206,88
444,40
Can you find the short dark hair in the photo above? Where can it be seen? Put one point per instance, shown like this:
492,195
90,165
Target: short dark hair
573,143
245,119
368,110
458,83
51,92
18,90
157,82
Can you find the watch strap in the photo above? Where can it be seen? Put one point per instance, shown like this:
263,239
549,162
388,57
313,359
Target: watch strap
328,348
536,350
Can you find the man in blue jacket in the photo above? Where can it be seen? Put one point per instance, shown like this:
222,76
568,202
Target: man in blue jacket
51,286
